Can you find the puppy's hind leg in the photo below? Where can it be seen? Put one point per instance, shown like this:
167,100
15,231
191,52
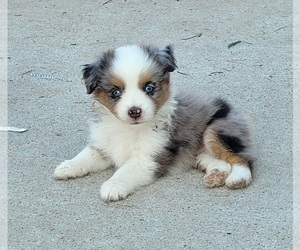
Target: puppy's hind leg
219,146
89,160
227,139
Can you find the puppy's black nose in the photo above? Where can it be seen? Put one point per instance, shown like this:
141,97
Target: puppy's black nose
134,112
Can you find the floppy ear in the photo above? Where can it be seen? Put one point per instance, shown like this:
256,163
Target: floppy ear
167,59
94,73
91,77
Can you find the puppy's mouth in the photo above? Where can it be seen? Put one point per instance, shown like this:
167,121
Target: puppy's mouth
135,122
130,121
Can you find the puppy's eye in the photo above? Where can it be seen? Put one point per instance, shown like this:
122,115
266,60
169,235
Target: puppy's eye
116,93
149,88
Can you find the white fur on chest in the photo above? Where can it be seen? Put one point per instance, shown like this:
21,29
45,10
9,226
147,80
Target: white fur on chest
122,142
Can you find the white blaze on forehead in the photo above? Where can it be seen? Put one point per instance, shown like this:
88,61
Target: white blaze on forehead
129,62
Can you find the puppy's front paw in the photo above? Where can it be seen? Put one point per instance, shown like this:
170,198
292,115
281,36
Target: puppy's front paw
114,191
67,170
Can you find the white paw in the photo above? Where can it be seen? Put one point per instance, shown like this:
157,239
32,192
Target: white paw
240,177
67,170
216,173
114,191
215,178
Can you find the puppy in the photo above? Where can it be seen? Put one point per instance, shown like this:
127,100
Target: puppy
145,130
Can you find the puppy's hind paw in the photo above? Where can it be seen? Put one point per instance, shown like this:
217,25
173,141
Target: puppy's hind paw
240,177
215,178
68,170
113,191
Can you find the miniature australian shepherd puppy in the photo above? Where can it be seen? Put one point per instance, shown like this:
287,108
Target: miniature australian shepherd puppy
145,130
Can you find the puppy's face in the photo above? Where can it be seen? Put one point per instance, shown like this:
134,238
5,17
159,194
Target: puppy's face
132,82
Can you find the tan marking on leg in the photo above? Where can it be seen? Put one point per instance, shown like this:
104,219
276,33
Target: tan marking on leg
218,150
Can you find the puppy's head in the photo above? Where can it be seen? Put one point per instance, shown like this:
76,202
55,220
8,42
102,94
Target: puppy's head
132,82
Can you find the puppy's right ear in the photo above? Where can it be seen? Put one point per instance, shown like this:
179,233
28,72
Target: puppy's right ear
90,77
166,58
93,74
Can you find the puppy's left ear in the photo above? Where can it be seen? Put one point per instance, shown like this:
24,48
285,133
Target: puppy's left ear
167,59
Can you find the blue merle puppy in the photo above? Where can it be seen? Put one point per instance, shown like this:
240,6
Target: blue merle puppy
146,130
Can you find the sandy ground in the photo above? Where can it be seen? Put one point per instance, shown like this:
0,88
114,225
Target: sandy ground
178,212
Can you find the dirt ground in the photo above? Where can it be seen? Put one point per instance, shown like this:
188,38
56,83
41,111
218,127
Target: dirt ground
177,212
